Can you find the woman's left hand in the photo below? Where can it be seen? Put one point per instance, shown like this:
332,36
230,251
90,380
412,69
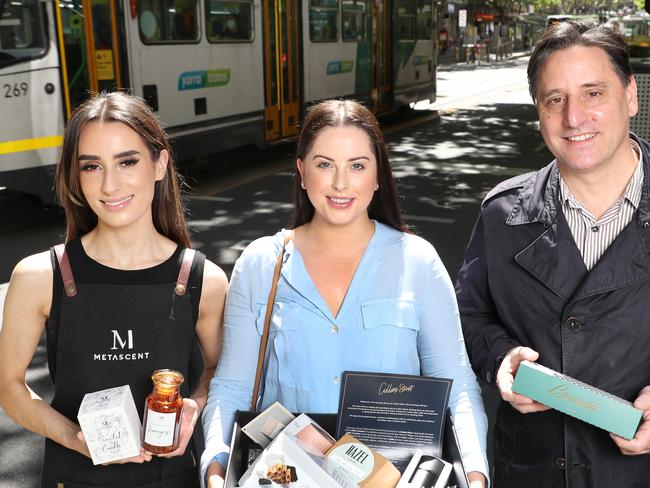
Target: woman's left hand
188,421
476,479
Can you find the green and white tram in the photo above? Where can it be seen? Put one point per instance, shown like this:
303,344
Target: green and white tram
219,73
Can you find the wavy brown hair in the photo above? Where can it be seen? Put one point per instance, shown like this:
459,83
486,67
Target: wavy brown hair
167,206
384,206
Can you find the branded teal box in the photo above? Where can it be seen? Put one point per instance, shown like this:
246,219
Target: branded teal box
577,399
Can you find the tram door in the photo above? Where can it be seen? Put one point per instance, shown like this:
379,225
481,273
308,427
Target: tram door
281,68
381,48
90,52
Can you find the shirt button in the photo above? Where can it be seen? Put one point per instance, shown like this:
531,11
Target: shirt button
336,379
594,228
573,324
560,462
334,329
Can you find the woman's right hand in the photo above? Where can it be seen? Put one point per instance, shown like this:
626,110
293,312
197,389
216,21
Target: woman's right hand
215,475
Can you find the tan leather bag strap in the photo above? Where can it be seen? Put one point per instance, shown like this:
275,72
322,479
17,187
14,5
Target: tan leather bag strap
267,322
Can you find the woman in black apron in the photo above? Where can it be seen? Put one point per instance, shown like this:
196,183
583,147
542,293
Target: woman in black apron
124,297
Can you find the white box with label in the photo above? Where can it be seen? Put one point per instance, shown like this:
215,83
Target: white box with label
110,423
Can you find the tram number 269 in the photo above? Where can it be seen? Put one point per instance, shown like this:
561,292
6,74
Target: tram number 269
15,90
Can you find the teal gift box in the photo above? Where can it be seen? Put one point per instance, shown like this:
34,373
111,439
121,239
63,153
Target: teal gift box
577,399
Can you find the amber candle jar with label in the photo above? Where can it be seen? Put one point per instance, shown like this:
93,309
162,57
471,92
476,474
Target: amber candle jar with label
162,412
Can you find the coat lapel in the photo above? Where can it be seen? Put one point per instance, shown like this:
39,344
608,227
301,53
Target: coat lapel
624,263
554,259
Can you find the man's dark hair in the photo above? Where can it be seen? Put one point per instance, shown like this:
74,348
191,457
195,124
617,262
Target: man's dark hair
569,34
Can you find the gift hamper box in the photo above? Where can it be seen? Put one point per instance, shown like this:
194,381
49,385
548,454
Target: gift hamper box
243,449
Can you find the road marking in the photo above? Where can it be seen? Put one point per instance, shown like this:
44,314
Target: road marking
208,198
424,218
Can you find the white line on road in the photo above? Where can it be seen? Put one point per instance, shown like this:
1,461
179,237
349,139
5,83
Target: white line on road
424,218
208,198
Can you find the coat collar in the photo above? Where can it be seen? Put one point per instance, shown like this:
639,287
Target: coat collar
539,197
554,259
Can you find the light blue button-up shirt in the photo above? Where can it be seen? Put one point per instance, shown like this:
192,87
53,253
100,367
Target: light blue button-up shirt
398,316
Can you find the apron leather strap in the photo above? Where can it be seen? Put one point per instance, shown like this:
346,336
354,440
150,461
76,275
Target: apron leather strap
69,285
184,273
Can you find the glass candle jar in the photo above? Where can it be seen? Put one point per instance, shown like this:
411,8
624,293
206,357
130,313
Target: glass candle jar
162,412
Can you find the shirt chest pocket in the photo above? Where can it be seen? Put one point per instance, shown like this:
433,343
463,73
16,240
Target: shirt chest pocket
288,344
388,341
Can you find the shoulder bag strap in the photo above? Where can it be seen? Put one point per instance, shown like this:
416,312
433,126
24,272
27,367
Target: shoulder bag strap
267,323
69,284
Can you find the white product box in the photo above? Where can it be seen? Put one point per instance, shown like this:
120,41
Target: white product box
110,424
298,451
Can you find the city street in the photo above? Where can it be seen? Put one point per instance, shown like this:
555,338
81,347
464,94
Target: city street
481,130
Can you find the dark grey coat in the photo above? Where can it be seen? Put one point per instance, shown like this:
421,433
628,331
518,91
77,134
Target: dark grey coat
523,282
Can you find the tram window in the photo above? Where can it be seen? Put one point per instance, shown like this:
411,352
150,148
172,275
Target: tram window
424,20
229,21
323,20
406,28
22,30
353,19
168,21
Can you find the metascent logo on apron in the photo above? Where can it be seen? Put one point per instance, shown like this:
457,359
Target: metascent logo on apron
124,347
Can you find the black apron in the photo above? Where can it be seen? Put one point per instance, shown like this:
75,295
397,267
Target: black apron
112,335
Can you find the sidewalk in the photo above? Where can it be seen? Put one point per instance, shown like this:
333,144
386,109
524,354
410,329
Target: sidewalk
449,58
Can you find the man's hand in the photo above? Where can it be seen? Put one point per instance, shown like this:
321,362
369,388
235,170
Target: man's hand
506,377
640,444
188,421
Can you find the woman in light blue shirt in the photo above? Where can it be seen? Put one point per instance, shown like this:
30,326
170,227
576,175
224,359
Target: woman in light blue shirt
356,292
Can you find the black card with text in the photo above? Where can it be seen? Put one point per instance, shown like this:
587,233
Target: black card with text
394,414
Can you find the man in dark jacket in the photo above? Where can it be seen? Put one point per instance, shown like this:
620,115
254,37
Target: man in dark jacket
558,270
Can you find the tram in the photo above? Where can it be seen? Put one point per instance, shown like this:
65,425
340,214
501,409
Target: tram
219,73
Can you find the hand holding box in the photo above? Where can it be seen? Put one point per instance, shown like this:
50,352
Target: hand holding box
577,399
110,423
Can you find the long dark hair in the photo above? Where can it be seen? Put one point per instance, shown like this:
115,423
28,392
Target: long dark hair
167,206
384,206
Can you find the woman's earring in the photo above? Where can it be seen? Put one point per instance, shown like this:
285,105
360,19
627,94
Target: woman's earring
302,185
377,187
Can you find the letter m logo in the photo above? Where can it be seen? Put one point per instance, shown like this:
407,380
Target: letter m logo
117,340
